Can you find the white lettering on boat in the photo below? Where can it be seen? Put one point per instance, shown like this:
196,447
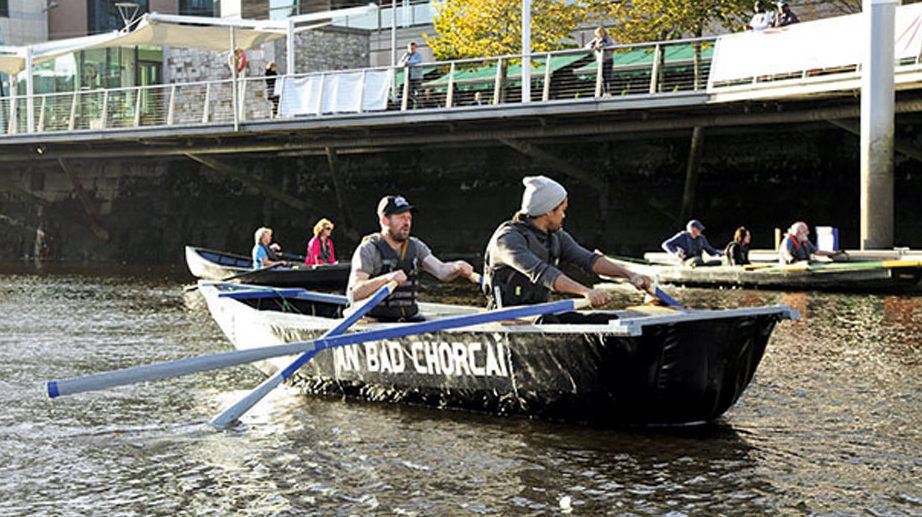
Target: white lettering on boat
477,359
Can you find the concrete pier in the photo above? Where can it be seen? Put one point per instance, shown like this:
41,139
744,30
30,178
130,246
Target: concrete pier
877,126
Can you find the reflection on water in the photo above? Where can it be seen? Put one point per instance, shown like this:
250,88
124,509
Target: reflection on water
830,425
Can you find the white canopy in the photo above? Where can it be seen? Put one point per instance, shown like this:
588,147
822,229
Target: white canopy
195,32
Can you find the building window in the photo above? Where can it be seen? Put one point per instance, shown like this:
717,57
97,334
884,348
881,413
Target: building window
103,15
4,8
281,9
197,7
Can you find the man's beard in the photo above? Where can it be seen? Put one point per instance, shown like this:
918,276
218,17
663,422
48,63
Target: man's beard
396,234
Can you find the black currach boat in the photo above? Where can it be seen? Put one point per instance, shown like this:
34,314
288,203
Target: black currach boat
650,365
209,264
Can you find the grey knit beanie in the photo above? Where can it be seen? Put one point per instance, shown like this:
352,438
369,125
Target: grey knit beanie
542,194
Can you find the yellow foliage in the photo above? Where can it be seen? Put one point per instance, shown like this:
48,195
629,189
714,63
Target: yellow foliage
480,28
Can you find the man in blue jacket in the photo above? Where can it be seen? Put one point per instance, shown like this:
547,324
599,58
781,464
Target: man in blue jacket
688,246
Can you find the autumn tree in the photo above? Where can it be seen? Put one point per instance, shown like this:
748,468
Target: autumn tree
478,28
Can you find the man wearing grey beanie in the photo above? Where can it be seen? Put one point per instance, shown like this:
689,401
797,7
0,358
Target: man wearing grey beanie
522,257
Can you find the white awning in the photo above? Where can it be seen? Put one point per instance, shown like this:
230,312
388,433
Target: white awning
193,32
153,32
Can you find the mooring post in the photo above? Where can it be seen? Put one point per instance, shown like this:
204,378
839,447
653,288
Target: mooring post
877,126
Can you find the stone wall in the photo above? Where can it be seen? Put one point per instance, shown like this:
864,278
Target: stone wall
151,208
316,50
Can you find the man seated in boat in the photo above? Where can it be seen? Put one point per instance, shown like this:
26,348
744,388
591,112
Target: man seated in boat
264,253
522,257
689,245
392,254
796,246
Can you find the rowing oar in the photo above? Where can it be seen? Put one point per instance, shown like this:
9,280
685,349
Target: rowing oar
98,381
231,414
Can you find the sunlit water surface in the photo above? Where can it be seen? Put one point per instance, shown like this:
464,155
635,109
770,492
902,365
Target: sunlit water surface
831,424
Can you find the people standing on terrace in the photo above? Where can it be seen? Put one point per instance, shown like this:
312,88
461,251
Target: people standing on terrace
785,15
411,61
271,74
601,44
762,19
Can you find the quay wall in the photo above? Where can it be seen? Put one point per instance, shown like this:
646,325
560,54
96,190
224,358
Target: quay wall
143,211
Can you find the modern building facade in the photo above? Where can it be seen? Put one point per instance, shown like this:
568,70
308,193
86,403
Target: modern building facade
22,22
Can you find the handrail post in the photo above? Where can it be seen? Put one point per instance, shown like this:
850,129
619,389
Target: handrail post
600,62
206,111
172,105
41,115
105,109
137,107
281,96
72,123
241,105
654,71
546,93
406,89
14,107
30,92
497,84
450,95
233,65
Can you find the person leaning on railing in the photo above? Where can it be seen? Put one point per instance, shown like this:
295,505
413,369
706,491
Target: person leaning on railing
271,75
601,44
414,73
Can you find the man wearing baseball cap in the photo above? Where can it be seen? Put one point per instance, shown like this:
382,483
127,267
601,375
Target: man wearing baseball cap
392,254
522,258
688,245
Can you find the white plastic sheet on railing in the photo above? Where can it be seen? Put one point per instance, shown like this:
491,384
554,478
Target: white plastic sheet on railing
817,45
335,92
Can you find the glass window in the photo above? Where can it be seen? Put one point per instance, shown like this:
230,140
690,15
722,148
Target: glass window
4,8
103,15
197,7
281,9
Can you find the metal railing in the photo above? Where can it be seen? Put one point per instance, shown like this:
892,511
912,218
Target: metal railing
649,70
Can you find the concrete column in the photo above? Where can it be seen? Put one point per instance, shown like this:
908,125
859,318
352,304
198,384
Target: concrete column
526,50
877,126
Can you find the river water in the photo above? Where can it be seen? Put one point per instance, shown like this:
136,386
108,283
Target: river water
831,424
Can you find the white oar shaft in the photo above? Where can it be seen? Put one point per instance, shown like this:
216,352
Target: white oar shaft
225,359
233,413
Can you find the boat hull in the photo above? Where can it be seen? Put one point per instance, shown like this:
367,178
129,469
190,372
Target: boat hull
672,372
219,265
869,276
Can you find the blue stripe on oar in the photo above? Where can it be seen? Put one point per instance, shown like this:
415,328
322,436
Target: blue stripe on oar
191,365
669,300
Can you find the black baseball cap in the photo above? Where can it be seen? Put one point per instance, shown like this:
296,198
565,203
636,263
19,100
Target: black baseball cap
390,205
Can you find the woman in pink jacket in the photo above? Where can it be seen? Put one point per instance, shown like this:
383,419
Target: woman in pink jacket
320,248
